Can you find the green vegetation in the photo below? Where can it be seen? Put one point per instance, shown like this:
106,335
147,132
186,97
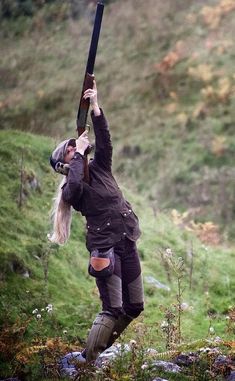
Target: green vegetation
168,92
35,274
179,94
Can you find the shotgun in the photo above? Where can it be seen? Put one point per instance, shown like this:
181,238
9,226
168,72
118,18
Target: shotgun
84,104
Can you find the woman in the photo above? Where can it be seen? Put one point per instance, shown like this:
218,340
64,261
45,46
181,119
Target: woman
112,230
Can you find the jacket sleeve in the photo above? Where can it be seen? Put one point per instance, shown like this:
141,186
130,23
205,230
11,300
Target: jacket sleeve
103,144
73,188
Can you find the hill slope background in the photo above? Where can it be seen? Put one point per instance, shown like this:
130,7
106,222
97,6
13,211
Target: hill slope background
166,82
48,301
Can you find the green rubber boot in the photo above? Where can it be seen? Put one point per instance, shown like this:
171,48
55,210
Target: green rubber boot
121,324
99,336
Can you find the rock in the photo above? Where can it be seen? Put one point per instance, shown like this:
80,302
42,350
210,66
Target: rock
222,364
222,361
166,366
26,274
186,359
18,267
67,364
231,377
110,354
151,280
69,372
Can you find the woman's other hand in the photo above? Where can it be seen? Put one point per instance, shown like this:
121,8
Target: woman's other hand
82,143
92,95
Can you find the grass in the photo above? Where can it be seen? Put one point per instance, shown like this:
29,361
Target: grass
40,94
35,273
26,239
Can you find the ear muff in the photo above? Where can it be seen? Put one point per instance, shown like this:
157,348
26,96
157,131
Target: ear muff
52,162
62,168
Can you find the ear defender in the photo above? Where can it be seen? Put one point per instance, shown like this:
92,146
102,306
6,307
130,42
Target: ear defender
62,168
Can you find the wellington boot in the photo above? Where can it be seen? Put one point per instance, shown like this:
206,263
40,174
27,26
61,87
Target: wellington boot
99,335
122,322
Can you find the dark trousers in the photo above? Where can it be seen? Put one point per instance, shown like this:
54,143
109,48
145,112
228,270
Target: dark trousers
122,292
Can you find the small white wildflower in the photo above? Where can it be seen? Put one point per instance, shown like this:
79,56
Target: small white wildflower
164,324
212,330
49,308
227,318
27,291
144,366
65,331
100,371
42,309
204,350
184,306
132,343
168,251
38,316
35,311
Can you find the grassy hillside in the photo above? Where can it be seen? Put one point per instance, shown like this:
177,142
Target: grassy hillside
166,81
27,258
35,274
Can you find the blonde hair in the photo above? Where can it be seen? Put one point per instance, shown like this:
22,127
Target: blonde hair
61,215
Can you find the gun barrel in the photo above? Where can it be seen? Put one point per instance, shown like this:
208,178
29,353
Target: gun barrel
88,81
95,38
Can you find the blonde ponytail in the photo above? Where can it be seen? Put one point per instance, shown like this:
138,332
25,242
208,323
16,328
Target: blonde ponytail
61,217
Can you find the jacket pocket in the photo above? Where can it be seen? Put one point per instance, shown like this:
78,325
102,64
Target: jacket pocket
98,224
